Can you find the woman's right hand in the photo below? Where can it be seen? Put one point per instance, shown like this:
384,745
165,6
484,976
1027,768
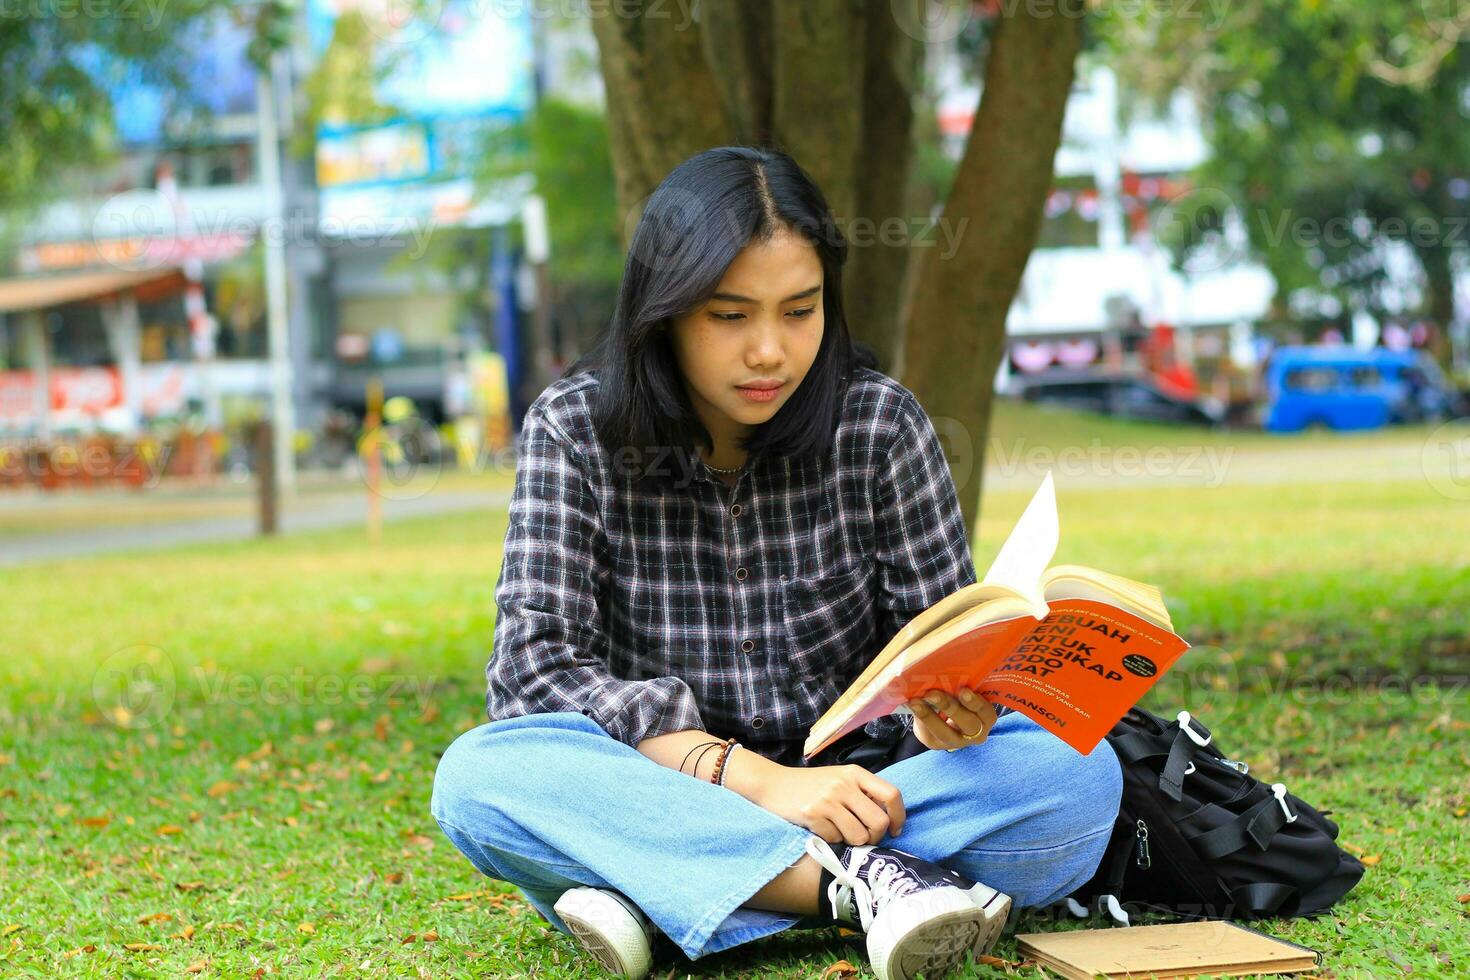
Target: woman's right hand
840,804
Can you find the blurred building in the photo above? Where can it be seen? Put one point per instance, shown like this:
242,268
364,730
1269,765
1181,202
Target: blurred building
141,296
1101,290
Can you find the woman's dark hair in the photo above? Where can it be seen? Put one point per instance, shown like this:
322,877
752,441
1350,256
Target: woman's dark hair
693,225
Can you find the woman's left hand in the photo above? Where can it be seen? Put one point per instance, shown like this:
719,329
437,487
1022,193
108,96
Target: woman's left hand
969,715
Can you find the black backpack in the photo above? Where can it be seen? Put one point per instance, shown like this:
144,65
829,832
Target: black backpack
1198,838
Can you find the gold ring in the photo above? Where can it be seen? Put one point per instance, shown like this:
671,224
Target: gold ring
968,738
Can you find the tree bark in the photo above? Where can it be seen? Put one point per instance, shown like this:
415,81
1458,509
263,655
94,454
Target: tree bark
955,316
877,263
663,105
737,45
833,83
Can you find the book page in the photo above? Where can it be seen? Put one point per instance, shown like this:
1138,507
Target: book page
1029,548
964,657
1081,668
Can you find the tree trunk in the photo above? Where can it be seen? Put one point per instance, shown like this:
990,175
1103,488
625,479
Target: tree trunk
878,264
833,83
955,315
663,105
1437,260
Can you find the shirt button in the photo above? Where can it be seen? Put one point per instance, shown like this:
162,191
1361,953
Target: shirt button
740,574
757,722
747,646
735,510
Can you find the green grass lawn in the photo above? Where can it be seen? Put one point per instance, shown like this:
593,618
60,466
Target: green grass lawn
265,807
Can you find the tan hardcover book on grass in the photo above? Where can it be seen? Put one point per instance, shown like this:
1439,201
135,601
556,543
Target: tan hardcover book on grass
1072,647
1184,949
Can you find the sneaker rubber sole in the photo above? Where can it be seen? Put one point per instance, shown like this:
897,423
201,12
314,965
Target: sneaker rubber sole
996,906
608,930
929,933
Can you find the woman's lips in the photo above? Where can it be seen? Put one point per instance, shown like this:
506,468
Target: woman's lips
760,394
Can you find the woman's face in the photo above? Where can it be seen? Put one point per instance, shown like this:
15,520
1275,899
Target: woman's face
762,325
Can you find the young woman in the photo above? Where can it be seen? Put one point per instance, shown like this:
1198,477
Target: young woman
719,516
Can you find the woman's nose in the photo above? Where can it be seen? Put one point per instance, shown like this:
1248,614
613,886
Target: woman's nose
765,347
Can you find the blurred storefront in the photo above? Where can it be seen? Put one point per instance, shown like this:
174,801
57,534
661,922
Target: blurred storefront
407,227
139,303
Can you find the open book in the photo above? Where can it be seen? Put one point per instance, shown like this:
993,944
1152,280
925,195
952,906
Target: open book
1072,647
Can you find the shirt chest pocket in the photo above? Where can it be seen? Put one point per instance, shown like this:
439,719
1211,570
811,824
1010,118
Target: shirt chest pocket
830,625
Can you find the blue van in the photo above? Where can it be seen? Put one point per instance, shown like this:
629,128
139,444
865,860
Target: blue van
1347,388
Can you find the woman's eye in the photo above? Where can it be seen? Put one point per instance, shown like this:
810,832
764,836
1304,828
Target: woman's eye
728,316
803,314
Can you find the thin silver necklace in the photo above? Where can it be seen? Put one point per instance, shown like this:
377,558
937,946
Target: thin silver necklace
731,471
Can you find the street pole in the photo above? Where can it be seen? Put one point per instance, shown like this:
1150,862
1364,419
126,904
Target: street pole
273,230
537,240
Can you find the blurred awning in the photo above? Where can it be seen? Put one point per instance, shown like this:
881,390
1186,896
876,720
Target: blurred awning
40,292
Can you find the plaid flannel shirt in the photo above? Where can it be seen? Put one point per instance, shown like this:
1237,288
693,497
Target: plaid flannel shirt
744,611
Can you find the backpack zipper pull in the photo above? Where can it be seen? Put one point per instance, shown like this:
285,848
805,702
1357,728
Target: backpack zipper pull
1143,860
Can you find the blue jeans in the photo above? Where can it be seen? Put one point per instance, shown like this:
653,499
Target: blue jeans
550,801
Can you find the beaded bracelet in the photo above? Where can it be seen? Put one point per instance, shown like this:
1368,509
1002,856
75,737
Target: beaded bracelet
720,760
726,769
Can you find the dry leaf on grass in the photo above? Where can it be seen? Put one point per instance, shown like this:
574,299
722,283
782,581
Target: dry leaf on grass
997,961
1371,859
840,969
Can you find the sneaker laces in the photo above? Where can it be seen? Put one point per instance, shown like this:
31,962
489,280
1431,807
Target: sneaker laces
887,881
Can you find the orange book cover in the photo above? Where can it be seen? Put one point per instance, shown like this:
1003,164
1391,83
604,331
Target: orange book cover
1071,647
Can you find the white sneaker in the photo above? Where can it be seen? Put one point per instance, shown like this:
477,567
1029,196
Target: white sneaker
611,928
918,917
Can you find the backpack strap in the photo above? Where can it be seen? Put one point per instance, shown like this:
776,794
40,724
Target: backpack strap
1256,825
1189,737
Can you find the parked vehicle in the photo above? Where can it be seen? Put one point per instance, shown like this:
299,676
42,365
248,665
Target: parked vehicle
1346,388
1120,395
